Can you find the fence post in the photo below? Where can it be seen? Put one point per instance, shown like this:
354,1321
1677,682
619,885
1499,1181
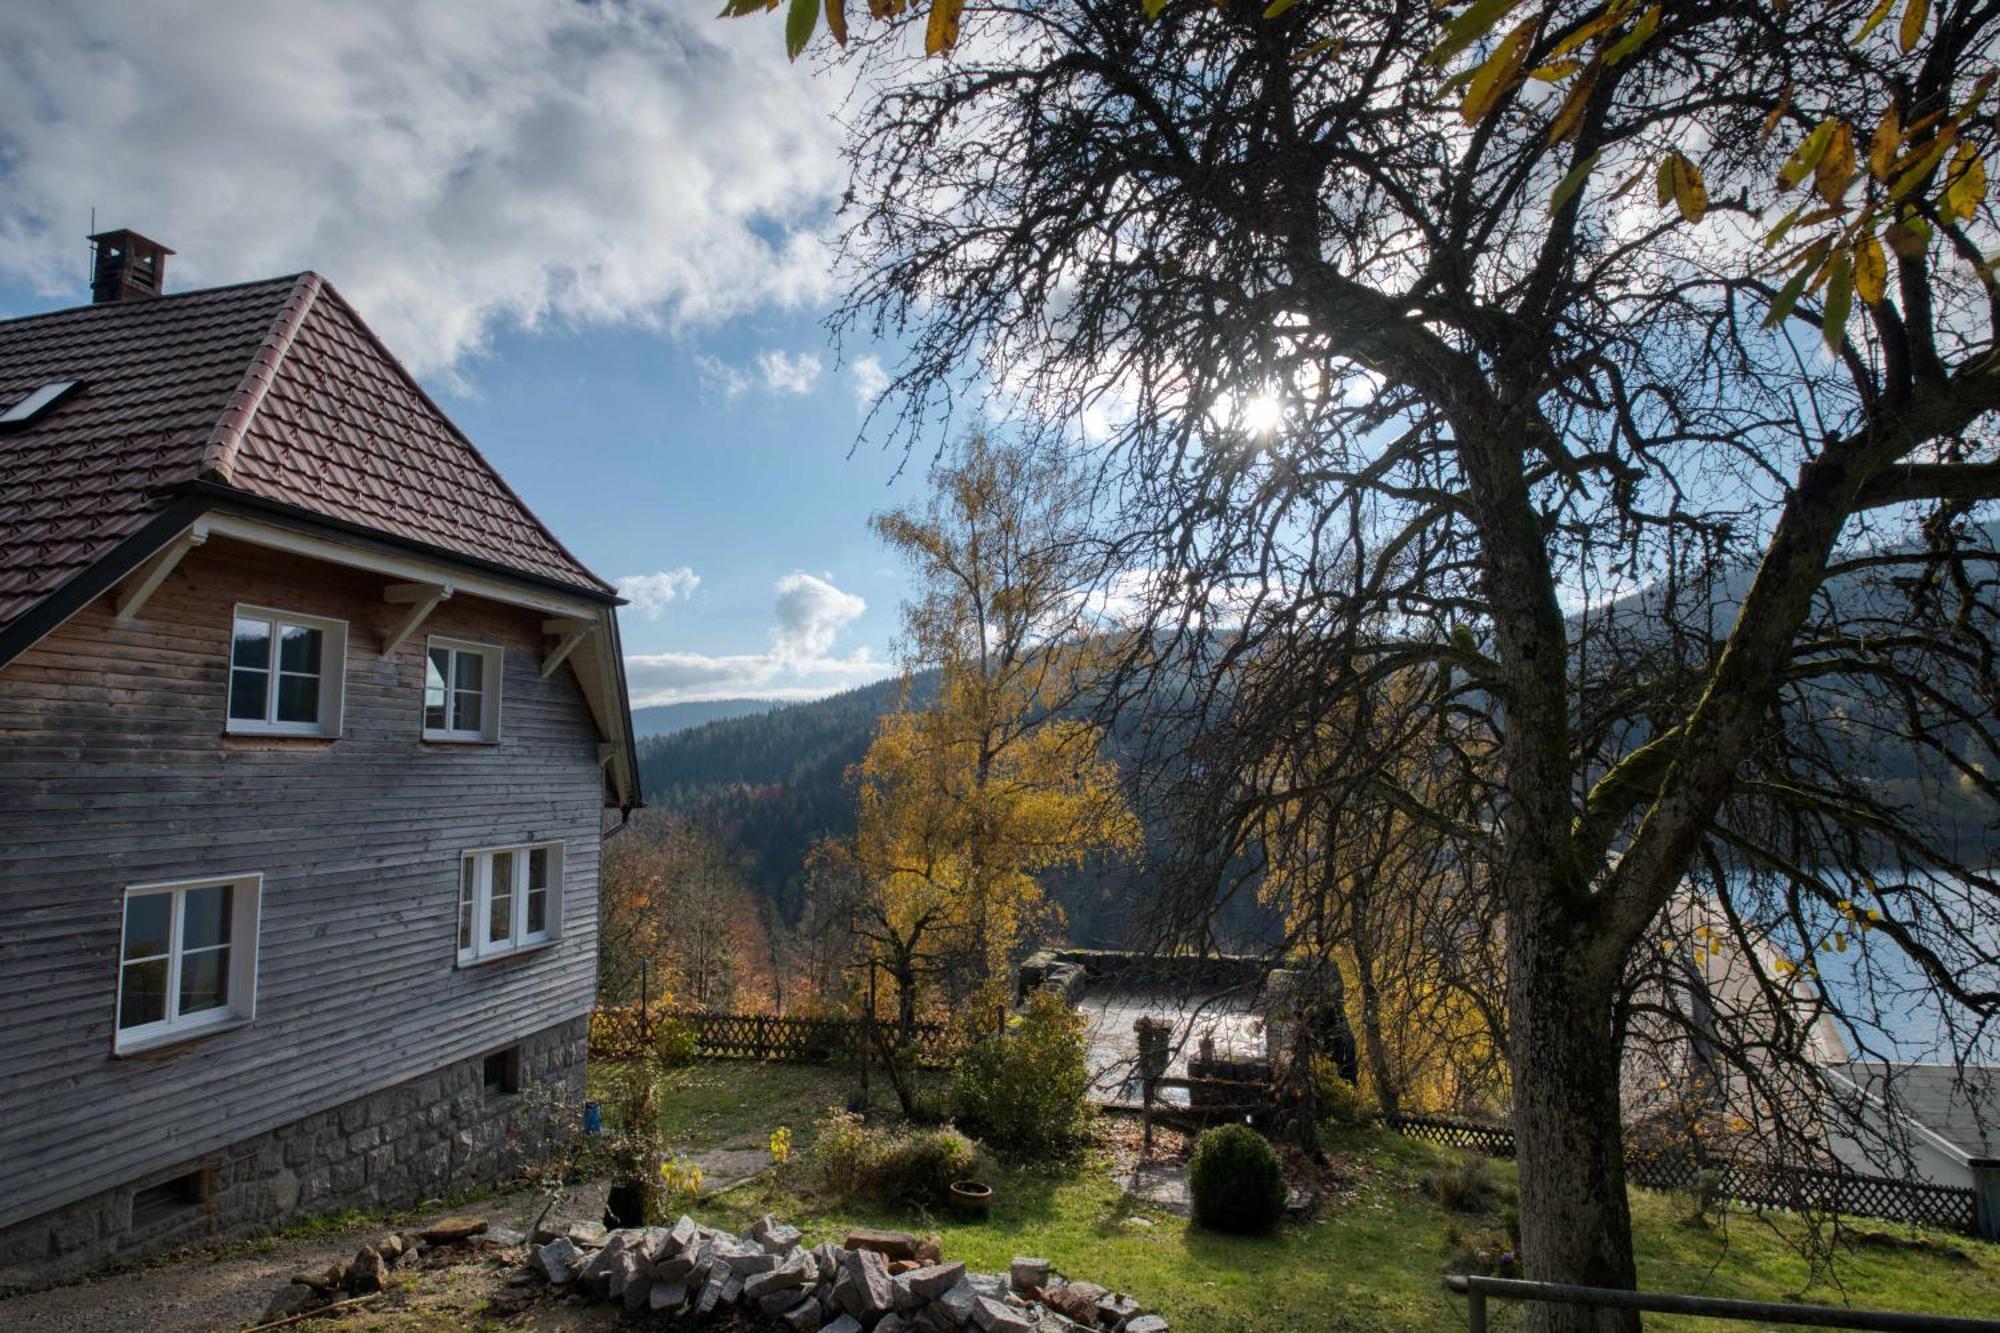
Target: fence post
645,1003
1475,1310
1986,1196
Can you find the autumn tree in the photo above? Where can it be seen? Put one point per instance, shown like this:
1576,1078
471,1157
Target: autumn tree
964,803
670,901
1630,368
1367,889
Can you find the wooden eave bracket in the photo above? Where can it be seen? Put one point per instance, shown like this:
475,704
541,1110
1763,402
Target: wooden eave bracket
422,599
571,632
143,582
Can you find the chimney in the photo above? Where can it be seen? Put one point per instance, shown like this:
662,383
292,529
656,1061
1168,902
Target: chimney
128,267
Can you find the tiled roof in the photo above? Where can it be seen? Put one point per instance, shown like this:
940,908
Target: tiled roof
276,389
1958,1104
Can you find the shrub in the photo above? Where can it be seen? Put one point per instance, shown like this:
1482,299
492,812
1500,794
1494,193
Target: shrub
1235,1181
1028,1091
1340,1102
1466,1188
857,1161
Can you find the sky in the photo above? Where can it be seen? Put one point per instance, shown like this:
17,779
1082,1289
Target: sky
597,232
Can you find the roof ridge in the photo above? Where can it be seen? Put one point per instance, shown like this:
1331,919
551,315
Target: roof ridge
423,395
218,452
164,298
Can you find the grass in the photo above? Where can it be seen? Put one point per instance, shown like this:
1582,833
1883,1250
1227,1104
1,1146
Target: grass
1372,1260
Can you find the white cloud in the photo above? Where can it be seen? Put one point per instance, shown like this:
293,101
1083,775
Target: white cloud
788,372
664,678
719,377
870,380
809,615
652,594
452,168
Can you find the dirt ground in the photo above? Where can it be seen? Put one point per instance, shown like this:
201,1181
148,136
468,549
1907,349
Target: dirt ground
232,1286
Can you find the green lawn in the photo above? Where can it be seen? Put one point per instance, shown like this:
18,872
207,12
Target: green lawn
1373,1259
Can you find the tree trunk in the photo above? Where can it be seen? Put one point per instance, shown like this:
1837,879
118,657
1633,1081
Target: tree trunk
1576,1224
1375,1047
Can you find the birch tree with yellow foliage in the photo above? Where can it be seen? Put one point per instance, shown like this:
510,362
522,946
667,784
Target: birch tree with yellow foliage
964,805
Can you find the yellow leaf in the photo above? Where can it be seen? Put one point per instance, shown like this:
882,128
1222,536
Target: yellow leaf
1875,17
1637,36
1497,74
941,33
1569,116
1275,8
1686,186
1555,71
1835,167
1806,156
1871,270
1882,148
1965,183
1915,16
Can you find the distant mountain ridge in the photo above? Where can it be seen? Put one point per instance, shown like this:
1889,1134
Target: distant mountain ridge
666,719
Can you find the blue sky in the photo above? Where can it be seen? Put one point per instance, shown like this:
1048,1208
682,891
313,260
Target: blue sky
599,233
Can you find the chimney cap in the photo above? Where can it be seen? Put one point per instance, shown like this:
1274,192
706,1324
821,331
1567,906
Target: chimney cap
126,266
128,235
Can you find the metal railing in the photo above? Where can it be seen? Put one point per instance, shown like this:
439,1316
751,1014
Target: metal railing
1476,1289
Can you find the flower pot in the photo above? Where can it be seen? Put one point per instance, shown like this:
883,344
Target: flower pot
971,1199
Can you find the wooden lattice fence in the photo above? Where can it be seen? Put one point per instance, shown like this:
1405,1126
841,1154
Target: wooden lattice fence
1800,1189
621,1033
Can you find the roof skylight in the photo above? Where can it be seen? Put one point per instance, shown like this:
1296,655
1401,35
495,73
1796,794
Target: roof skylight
38,402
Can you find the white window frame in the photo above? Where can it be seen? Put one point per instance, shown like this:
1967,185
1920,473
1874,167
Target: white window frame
489,693
246,919
332,675
480,862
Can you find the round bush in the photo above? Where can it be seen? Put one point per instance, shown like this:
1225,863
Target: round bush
1236,1182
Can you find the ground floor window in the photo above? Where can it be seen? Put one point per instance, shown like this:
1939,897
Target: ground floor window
187,958
509,899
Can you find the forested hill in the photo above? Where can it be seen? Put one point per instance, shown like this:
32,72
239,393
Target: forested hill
771,784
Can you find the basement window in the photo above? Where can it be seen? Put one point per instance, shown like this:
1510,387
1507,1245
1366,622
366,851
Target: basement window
36,403
502,1073
170,1198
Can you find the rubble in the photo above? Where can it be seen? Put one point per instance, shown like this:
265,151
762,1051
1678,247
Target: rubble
874,1282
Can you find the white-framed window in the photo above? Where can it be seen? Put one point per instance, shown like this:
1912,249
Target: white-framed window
286,673
187,959
461,691
509,899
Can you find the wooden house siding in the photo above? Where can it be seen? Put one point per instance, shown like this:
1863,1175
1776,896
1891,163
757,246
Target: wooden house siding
115,770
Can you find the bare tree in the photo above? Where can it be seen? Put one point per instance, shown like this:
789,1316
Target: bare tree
1388,374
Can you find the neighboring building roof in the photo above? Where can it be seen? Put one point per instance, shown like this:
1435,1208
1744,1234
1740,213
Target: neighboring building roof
1961,1105
275,390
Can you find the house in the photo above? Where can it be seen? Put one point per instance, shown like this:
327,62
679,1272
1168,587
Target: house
309,733
1937,1123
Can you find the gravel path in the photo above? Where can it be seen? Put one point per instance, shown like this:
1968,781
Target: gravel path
229,1288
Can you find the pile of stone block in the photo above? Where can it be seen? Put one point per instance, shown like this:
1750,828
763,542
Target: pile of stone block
877,1281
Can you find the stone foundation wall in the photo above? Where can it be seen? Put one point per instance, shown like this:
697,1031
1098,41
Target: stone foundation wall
428,1137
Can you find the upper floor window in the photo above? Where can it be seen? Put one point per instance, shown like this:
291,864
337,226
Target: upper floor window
461,691
509,899
285,673
187,959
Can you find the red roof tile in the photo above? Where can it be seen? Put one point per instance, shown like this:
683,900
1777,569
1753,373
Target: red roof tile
276,389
